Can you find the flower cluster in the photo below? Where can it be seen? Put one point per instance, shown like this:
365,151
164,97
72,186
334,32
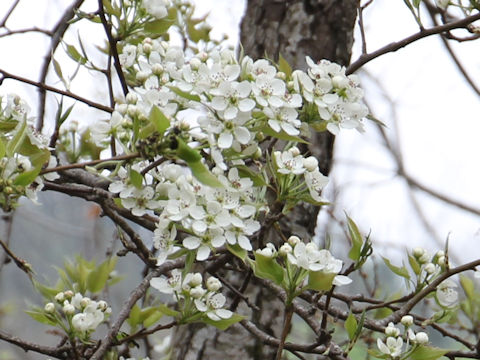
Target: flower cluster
19,162
337,97
291,163
207,300
396,343
302,265
83,313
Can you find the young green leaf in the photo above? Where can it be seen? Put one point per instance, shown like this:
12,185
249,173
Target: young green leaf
356,238
320,280
284,66
400,271
351,326
267,268
223,324
423,352
17,139
201,172
159,120
98,278
237,251
135,178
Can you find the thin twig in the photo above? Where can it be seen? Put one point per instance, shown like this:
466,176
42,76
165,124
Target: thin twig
7,75
394,46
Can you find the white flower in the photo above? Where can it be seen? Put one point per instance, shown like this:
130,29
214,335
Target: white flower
288,164
195,243
285,249
164,241
140,200
446,294
128,55
232,97
316,181
393,347
268,91
170,285
157,8
283,118
212,307
89,319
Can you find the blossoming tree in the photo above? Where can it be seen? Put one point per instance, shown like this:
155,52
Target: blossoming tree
211,151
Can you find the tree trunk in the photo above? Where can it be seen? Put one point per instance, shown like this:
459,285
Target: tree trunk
321,29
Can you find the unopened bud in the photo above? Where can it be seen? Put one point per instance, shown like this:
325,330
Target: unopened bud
49,308
407,320
421,338
293,240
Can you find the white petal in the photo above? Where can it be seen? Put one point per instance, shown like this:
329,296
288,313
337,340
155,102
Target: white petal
191,242
219,103
242,135
246,105
230,113
244,242
224,313
203,253
340,280
225,140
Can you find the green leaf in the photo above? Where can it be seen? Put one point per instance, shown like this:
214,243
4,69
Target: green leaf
158,27
351,326
400,271
41,317
186,153
17,139
3,148
414,264
237,251
468,287
98,278
27,177
75,55
152,318
136,179
284,66
185,94
357,240
282,135
58,69
320,281
159,120
224,323
423,352
416,3
201,172
167,311
45,291
134,317
267,268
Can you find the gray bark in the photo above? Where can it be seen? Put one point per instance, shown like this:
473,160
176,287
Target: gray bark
319,29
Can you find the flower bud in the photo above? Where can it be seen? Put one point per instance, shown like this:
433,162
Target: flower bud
425,258
142,76
157,69
102,305
213,284
60,297
131,98
310,163
340,82
122,108
196,279
293,240
429,268
68,294
197,292
441,261
49,308
68,308
295,151
132,110
85,302
421,337
285,249
418,252
195,63
147,48
391,330
440,253
267,252
407,320
281,75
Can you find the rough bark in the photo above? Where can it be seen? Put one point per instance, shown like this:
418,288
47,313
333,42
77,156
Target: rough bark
319,29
